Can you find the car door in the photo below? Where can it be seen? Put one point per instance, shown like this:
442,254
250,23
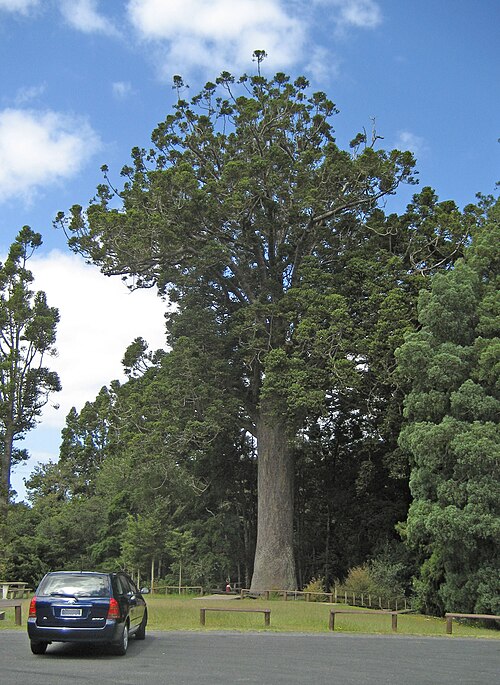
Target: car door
131,597
140,604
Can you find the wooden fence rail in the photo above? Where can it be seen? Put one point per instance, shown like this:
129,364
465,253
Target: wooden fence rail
266,612
17,604
482,617
175,588
393,614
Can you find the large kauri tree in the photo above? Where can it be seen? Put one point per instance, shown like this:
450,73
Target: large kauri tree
452,436
27,337
236,210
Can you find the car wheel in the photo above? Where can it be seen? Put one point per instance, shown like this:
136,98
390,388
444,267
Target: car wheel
121,647
141,631
38,647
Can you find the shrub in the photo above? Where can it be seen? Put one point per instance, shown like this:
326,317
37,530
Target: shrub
358,581
385,577
379,578
316,585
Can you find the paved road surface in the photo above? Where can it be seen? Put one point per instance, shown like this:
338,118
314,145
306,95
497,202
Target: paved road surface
216,658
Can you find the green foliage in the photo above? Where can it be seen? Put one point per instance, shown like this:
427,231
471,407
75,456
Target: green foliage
387,577
27,335
140,540
381,577
22,552
315,585
358,581
452,434
87,439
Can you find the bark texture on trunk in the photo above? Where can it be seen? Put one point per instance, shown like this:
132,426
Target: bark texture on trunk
6,468
274,567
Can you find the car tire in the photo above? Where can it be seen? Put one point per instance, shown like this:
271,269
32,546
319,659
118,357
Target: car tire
38,647
141,630
121,648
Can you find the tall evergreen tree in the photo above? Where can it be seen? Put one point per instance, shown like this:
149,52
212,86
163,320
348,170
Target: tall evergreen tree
27,337
452,434
238,212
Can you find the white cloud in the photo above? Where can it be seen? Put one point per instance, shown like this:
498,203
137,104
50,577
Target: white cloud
28,94
83,15
99,318
409,141
41,148
363,14
121,89
322,64
218,34
21,6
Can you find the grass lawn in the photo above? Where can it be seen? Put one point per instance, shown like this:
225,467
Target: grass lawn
174,613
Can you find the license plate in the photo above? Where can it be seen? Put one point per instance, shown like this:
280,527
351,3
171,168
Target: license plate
71,612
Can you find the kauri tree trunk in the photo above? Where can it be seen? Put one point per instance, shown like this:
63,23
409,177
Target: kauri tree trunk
274,566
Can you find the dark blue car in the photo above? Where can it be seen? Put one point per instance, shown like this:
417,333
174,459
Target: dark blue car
85,606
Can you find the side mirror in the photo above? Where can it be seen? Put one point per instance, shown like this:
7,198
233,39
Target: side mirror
144,591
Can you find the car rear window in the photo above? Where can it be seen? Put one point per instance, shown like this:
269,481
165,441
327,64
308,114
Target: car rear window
75,585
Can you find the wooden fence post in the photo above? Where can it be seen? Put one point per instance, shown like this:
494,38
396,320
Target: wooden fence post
331,623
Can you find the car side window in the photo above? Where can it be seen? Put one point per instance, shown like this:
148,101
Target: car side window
122,585
133,586
128,585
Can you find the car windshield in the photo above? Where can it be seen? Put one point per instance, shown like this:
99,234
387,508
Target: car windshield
75,585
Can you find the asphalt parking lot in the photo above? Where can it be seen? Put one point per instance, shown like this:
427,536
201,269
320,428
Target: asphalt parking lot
227,658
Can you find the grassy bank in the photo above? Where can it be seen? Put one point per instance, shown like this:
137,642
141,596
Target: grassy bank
173,613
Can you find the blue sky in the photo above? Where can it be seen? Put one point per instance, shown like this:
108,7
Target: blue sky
83,81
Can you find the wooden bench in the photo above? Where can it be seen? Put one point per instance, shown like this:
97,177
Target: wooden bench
266,612
450,616
393,614
17,604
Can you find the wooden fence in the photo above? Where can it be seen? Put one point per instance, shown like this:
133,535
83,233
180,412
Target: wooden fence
368,601
182,589
336,597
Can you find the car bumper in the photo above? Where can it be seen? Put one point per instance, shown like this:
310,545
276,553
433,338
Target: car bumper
112,631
